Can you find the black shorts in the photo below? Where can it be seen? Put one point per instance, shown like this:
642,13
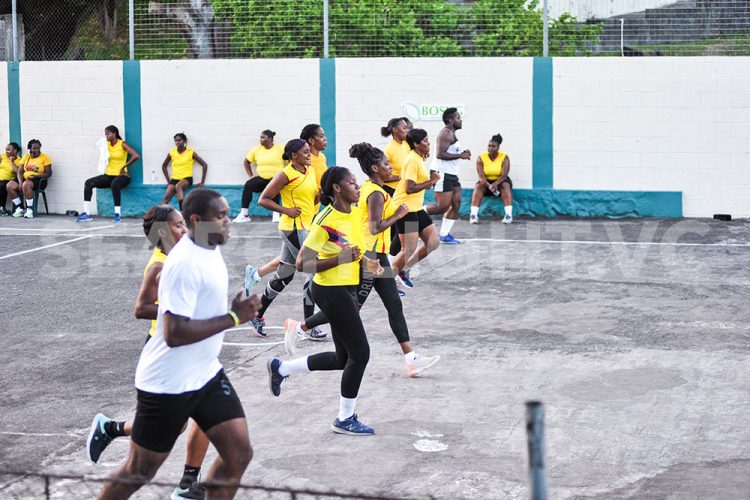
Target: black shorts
414,222
389,190
159,418
507,181
447,183
175,181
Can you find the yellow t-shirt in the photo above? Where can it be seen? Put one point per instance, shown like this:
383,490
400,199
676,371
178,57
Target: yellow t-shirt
492,168
414,170
269,162
34,166
299,192
320,166
7,173
331,230
380,242
396,154
182,163
157,257
118,157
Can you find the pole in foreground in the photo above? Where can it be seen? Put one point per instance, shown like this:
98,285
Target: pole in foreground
535,437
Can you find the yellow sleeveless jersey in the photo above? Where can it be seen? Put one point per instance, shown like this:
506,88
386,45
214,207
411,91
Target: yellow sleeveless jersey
268,162
299,192
118,157
492,168
157,257
319,165
182,163
7,172
381,242
35,166
396,154
414,170
330,232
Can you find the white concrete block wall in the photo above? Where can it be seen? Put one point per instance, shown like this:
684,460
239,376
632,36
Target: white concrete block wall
66,105
664,124
496,94
222,106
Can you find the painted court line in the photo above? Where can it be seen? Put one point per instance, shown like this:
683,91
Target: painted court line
253,344
44,247
57,230
41,434
584,242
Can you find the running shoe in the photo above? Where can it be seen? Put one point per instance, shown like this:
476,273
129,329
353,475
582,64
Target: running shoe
18,212
448,239
274,377
84,217
507,219
473,219
405,279
252,278
117,219
420,364
242,218
29,214
290,336
315,333
352,427
3,211
196,491
98,438
401,292
258,323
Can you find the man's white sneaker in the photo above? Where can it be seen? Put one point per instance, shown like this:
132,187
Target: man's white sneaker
242,218
507,219
420,364
473,219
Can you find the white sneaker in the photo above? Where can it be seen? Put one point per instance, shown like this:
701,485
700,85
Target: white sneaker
507,219
290,336
29,214
473,219
18,212
242,218
420,364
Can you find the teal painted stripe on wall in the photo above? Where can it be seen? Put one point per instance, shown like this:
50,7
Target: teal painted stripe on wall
328,106
131,92
14,102
542,160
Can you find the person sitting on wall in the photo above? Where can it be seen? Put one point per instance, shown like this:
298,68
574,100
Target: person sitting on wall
183,159
33,168
493,167
9,162
265,159
115,177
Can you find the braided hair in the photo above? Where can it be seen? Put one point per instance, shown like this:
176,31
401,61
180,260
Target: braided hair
366,155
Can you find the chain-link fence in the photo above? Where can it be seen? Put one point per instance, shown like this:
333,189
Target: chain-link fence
174,29
32,486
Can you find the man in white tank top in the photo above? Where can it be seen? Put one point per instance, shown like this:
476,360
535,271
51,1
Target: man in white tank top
448,188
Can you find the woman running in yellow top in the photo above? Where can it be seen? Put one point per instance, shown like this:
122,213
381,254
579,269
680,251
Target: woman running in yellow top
493,167
183,159
396,151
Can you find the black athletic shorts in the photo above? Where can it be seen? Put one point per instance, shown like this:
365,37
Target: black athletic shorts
447,183
413,222
487,191
175,181
159,418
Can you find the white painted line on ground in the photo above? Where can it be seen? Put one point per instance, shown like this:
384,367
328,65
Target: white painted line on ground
41,434
253,344
240,328
44,247
57,230
35,232
583,242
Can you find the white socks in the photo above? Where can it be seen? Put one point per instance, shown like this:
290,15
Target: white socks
508,210
294,366
29,203
117,210
474,211
243,212
346,407
410,357
446,226
87,207
17,201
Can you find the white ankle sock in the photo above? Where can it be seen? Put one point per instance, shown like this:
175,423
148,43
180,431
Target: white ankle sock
410,357
87,207
243,211
294,366
117,210
474,211
446,226
509,210
17,201
29,203
346,407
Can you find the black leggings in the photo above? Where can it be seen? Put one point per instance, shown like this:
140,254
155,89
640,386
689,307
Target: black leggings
255,185
385,285
4,193
349,337
114,182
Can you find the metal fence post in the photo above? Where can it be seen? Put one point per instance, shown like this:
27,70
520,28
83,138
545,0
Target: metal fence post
325,28
131,28
14,22
622,36
535,438
545,43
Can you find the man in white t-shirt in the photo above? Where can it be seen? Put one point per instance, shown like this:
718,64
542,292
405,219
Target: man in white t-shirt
179,375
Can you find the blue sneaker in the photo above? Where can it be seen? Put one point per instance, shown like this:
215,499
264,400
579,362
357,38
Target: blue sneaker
84,217
196,491
405,279
117,218
98,438
274,377
401,292
448,239
351,426
252,278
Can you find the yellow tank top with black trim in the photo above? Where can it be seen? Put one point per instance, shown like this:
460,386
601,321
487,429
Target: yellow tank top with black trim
396,154
182,163
299,192
118,157
381,242
157,257
492,168
331,231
